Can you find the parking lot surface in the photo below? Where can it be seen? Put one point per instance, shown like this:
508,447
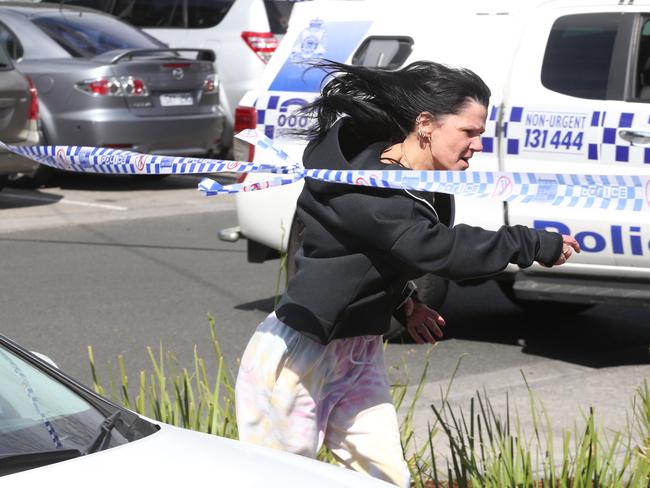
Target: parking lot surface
121,263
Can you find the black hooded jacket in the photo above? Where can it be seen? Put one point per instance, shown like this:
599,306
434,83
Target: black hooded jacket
362,245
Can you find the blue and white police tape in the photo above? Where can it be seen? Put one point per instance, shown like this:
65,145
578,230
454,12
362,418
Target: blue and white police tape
574,191
629,192
113,161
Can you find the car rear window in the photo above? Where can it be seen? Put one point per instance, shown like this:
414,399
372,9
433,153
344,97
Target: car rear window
87,34
163,13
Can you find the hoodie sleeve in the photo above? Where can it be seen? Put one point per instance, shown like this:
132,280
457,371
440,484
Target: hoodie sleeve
465,252
410,233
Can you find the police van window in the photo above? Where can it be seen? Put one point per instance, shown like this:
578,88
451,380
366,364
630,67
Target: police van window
579,55
163,13
383,52
642,89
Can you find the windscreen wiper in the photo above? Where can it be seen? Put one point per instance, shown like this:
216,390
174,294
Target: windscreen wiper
101,439
13,463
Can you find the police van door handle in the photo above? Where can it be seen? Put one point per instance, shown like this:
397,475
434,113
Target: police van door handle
635,137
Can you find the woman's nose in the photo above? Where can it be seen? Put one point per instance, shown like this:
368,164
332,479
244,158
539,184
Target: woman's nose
476,145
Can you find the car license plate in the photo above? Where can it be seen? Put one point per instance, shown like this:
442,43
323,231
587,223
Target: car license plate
176,99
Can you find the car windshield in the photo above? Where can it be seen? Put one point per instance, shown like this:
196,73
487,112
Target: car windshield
88,35
39,414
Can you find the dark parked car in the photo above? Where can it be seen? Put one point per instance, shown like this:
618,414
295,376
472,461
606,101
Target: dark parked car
104,83
18,118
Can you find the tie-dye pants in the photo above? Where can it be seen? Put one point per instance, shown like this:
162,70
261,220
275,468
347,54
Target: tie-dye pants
295,394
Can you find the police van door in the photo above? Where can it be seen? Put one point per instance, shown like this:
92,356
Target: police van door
577,95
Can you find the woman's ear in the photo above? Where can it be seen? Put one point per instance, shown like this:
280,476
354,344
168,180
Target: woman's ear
423,127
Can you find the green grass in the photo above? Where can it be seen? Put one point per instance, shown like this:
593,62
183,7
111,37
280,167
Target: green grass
474,446
177,395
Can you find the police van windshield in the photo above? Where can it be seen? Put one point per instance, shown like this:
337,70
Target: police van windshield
90,34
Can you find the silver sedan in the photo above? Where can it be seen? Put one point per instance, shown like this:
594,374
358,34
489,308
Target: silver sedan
104,83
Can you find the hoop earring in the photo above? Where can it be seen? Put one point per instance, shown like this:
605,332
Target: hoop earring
422,139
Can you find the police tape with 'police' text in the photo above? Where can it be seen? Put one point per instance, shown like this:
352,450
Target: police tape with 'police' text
618,192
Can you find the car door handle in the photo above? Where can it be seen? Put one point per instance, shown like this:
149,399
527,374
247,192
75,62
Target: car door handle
635,136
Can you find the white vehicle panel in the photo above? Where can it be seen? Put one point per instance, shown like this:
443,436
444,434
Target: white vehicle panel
180,457
550,132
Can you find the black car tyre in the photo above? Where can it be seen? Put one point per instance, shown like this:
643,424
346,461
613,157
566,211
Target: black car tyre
42,176
541,306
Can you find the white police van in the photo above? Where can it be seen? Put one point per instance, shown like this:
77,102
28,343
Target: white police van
570,85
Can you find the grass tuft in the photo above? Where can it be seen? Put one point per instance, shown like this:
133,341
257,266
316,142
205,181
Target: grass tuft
471,447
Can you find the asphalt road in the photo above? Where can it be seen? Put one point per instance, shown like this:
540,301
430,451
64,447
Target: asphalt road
123,263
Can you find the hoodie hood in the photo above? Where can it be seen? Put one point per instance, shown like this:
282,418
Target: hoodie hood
343,149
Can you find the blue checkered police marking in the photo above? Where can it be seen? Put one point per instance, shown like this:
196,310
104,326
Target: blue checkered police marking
489,137
566,134
277,114
610,147
493,131
514,116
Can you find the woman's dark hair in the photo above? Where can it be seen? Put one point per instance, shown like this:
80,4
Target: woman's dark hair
383,105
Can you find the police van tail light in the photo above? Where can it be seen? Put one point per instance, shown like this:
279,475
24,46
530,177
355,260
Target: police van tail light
263,44
124,86
245,118
33,100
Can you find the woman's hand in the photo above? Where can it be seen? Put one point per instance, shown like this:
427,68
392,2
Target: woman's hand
569,244
422,323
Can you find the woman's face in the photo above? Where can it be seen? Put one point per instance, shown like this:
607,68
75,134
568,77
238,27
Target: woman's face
455,138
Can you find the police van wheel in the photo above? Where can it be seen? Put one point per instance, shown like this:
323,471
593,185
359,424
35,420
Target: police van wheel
432,291
541,306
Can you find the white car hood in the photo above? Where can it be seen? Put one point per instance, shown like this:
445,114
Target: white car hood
181,457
